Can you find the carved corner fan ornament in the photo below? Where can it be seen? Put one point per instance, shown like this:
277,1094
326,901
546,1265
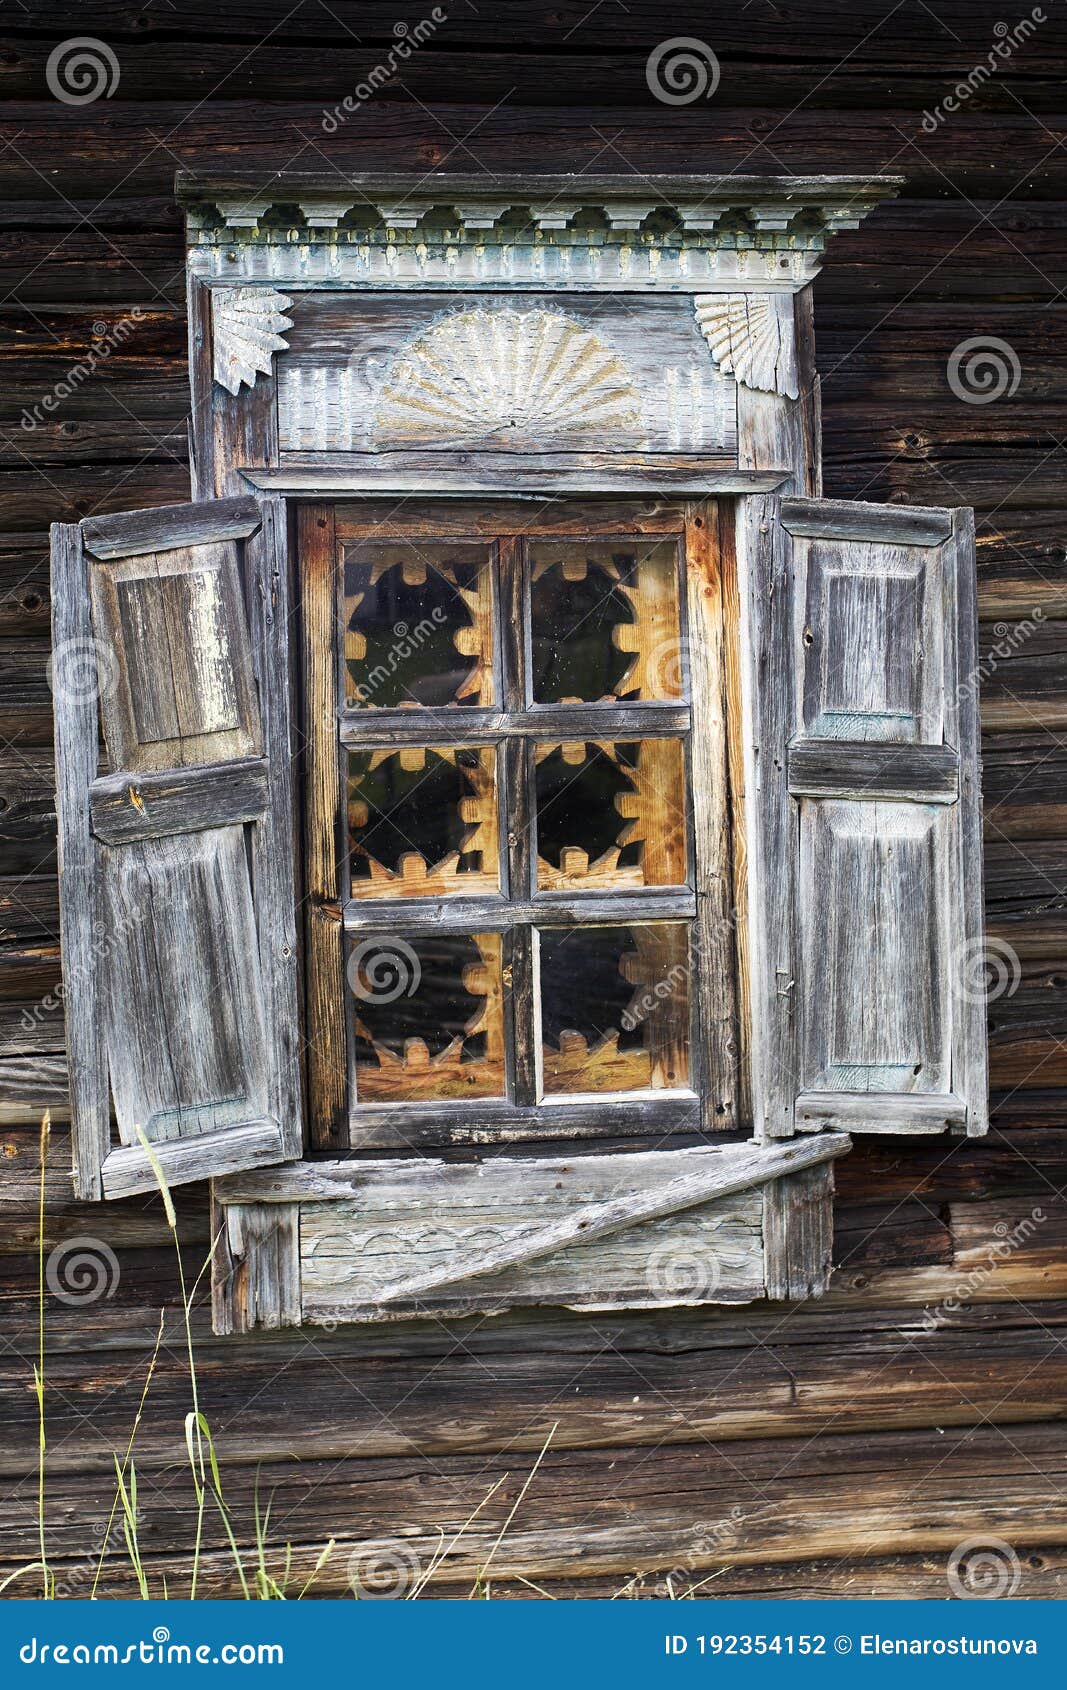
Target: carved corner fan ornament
510,377
744,334
247,326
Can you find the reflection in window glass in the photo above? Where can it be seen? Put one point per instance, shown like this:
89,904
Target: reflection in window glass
605,621
615,1008
422,822
611,815
417,624
427,1016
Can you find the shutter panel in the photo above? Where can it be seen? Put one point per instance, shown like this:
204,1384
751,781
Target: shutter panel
863,815
176,866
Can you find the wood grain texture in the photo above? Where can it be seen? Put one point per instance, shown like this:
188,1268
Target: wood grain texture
182,986
274,835
716,996
318,563
153,805
256,1279
842,1412
191,935
170,528
524,373
870,931
129,1170
541,1231
178,690
77,758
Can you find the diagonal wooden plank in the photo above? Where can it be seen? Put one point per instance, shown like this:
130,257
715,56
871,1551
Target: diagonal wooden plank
719,1176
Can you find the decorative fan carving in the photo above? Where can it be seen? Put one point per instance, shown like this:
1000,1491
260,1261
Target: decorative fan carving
246,329
745,337
518,378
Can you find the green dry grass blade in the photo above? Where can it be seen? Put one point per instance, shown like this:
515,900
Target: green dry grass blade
47,1578
127,1490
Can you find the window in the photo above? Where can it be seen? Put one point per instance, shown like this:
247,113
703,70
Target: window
517,824
533,835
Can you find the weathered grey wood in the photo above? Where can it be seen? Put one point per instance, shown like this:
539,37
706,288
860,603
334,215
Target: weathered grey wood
579,188
370,728
874,646
194,948
868,946
685,1187
712,1254
491,915
970,1055
838,519
770,425
274,838
256,1266
538,477
128,1170
531,1224
798,1233
829,769
768,688
77,758
31,1084
170,527
321,1180
875,946
150,806
514,374
183,986
874,1112
180,690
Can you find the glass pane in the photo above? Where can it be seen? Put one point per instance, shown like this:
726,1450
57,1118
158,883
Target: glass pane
615,1007
605,621
427,1017
418,624
611,814
422,823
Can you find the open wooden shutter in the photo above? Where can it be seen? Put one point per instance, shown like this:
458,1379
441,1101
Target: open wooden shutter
864,849
176,865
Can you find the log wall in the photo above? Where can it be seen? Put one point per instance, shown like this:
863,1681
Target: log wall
844,1447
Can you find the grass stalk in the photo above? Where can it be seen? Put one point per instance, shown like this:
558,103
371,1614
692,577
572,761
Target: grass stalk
128,1457
531,1475
48,1579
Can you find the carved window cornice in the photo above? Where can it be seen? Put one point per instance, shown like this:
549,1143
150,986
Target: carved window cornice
618,233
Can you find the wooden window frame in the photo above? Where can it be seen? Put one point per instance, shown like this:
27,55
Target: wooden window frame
710,904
